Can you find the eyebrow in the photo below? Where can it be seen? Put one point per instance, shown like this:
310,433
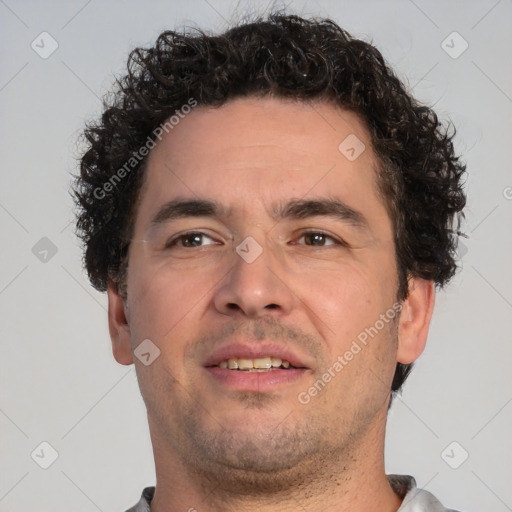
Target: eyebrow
182,208
335,208
294,209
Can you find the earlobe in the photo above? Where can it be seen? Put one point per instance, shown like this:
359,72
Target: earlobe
118,326
415,320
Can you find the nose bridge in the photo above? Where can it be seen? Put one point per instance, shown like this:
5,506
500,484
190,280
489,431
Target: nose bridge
254,262
255,285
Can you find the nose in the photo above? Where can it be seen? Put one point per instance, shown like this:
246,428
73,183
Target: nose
254,288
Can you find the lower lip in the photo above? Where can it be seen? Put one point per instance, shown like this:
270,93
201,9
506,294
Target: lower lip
255,381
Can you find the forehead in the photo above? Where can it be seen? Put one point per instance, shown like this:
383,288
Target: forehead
260,124
267,150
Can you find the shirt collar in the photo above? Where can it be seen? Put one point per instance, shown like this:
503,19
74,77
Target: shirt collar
414,499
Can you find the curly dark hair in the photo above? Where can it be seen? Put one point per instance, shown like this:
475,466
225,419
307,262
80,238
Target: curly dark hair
283,56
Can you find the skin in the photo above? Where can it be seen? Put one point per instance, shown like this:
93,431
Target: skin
220,448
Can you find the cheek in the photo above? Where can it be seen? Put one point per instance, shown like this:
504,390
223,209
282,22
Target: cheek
345,301
162,301
165,313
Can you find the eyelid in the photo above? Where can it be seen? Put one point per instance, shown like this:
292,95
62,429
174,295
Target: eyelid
171,242
336,239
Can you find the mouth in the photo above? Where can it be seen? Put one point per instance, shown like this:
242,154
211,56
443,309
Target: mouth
256,365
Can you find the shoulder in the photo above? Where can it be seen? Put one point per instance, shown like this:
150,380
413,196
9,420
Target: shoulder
143,505
414,499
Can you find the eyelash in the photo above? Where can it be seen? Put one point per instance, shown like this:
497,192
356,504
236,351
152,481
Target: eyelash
172,242
336,241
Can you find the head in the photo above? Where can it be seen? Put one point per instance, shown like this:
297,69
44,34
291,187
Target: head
278,122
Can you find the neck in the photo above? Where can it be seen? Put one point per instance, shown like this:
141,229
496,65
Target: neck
352,480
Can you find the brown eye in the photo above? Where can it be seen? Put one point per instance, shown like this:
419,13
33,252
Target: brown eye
318,239
191,239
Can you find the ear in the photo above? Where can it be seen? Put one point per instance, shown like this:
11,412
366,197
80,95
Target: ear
415,319
118,326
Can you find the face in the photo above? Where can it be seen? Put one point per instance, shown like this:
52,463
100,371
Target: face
260,241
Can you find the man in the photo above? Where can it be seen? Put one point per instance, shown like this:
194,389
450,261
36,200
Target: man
269,212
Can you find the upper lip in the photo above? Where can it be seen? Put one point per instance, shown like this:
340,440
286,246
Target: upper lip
254,350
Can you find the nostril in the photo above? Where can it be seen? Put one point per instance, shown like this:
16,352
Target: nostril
272,306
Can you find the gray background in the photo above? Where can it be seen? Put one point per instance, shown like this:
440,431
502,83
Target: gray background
59,381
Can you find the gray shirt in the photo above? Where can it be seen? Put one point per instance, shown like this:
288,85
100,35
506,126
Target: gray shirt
414,499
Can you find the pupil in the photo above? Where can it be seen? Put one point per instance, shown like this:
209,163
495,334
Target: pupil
315,237
194,237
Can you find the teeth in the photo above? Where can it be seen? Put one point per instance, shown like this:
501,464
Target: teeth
262,362
257,364
245,364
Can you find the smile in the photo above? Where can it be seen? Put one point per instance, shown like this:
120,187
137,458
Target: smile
259,364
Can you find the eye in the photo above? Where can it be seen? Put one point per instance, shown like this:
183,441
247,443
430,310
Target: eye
190,239
319,239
